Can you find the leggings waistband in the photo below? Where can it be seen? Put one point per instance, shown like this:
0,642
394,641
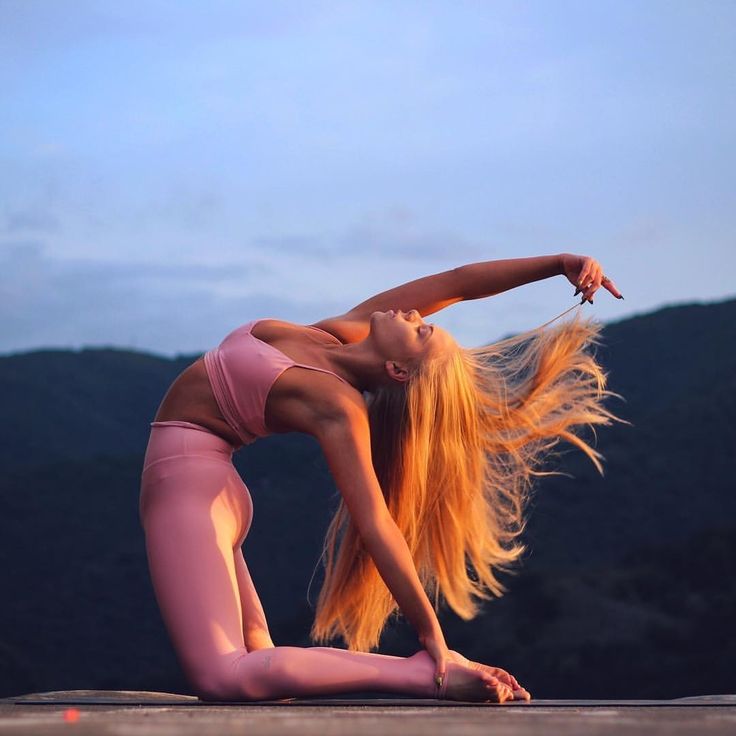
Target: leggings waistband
180,423
177,438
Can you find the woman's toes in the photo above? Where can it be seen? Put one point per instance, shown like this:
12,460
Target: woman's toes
503,690
516,690
499,692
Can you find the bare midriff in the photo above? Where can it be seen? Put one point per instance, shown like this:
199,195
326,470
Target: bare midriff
190,399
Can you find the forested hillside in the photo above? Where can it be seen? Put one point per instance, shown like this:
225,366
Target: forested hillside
627,589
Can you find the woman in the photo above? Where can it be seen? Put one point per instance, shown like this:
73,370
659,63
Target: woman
432,447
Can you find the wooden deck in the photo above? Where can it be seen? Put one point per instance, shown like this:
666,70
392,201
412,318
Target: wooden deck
130,713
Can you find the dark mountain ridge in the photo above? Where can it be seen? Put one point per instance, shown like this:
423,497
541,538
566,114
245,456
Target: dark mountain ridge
624,574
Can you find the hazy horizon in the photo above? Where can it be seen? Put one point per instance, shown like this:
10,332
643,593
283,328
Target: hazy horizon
180,354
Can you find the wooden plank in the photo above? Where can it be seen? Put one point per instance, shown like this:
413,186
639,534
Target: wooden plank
366,718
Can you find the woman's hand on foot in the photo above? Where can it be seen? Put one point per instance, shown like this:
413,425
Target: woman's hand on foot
436,646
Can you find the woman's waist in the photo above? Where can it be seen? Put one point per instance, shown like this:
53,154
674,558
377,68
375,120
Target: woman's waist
191,400
236,405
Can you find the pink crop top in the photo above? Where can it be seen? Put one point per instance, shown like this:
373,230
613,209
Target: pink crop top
241,370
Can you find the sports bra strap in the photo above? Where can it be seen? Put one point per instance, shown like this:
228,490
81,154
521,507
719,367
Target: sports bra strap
249,326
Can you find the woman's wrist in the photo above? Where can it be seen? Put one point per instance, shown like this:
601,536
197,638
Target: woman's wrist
556,260
434,634
561,262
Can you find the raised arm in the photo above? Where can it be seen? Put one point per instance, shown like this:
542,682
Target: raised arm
345,440
430,294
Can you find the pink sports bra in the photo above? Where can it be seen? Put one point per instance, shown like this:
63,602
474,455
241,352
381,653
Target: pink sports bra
241,370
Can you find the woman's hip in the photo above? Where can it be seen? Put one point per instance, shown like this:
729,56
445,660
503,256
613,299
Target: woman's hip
174,438
189,470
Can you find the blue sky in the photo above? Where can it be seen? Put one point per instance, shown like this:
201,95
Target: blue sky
171,170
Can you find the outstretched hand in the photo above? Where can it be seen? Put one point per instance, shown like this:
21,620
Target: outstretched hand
586,274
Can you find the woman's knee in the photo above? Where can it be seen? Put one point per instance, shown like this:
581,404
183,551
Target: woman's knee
213,686
230,679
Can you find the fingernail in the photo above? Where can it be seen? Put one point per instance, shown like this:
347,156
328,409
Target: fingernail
620,297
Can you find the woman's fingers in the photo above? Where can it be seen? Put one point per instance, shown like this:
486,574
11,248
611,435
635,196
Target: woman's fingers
440,673
595,282
437,649
589,279
583,277
608,284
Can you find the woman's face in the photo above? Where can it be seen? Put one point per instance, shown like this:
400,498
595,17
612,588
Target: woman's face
406,337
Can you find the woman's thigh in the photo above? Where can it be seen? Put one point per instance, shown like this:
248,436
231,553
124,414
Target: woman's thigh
195,511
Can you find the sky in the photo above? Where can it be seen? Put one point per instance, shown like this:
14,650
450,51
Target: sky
169,171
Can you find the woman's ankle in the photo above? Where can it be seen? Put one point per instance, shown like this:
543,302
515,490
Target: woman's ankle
421,674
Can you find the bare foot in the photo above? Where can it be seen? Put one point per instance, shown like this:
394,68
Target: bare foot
519,693
469,683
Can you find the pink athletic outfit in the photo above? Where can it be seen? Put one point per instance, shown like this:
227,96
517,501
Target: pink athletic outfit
196,511
242,370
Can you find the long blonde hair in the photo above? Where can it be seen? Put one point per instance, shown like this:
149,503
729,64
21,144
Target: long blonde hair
455,450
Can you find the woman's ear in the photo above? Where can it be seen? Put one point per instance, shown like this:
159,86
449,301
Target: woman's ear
397,371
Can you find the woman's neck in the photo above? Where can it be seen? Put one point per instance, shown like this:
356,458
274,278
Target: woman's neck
360,364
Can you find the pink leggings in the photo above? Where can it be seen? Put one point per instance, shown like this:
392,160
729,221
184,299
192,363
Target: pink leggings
196,511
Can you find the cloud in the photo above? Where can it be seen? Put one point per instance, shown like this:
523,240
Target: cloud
166,308
39,220
177,306
395,231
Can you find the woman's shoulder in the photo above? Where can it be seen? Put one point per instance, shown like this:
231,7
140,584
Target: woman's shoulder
347,328
274,328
